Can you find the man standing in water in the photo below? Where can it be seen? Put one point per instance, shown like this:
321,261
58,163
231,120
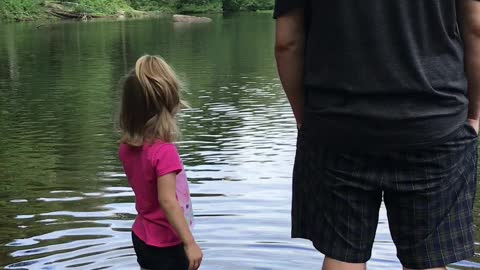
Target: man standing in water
386,95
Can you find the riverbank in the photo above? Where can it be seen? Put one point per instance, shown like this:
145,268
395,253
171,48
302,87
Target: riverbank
29,10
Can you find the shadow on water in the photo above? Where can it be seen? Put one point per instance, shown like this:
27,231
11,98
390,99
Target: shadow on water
63,195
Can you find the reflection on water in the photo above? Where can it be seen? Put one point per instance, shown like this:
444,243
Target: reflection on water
64,199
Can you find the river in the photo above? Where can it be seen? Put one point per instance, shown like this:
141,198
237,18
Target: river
64,199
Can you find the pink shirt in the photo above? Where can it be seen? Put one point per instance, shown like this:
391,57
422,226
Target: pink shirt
143,165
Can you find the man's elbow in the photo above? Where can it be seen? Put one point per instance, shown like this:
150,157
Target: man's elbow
474,30
470,20
471,28
288,46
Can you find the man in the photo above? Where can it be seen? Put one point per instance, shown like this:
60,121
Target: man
386,95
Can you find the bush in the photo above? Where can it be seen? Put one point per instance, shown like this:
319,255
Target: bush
198,6
21,9
32,9
104,7
152,5
252,5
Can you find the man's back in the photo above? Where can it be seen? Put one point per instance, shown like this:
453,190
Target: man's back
388,77
384,73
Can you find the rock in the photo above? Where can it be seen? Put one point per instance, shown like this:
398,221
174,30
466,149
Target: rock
190,19
121,15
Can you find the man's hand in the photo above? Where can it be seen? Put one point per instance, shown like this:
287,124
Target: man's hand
289,52
475,123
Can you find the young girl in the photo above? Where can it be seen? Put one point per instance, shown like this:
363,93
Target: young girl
161,233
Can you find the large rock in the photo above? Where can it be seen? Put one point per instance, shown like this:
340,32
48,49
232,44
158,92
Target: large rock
190,19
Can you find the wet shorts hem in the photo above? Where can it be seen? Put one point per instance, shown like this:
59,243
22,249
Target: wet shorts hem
449,258
325,249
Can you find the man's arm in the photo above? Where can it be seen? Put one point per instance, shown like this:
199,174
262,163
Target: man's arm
289,52
470,22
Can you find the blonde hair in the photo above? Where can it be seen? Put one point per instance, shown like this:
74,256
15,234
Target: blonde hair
150,101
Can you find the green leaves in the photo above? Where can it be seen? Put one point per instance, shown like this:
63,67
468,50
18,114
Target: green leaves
100,7
33,9
20,9
196,6
251,5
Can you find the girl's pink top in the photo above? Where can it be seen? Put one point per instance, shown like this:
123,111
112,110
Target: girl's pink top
143,165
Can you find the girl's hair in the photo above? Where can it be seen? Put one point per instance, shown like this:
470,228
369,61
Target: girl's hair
151,98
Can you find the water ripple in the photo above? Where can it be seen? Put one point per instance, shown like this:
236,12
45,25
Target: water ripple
65,200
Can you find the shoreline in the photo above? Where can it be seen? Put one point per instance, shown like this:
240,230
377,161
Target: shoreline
53,11
149,15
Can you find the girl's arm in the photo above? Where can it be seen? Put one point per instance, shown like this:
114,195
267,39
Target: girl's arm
166,190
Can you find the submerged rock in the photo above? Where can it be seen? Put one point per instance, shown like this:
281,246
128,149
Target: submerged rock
190,19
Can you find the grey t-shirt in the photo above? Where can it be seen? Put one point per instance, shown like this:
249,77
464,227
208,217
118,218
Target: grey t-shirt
382,73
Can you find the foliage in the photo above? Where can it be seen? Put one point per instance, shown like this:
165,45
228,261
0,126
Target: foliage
198,6
152,5
20,9
252,5
184,6
104,7
32,9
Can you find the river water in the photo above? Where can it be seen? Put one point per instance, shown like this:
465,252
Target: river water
64,200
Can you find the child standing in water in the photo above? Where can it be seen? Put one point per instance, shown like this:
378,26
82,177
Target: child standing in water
161,233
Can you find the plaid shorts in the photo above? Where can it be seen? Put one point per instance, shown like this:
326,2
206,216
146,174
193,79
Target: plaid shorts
429,195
